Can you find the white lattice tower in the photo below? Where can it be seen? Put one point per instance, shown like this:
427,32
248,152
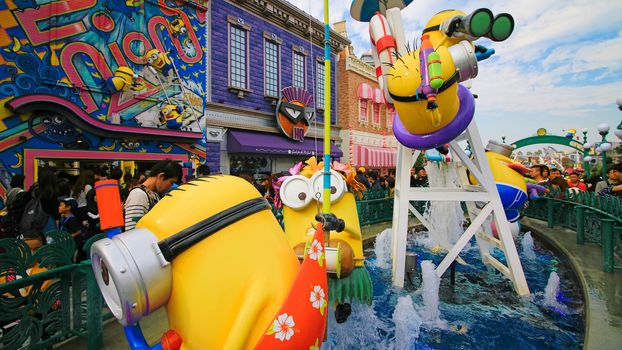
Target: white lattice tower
485,193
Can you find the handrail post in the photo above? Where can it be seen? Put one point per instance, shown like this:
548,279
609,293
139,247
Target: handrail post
607,242
93,309
549,213
580,224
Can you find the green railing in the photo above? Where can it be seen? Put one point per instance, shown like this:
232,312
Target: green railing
596,219
376,207
44,297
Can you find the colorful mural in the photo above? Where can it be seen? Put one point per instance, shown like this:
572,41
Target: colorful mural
135,69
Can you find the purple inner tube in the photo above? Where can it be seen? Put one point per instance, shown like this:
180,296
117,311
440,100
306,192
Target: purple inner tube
440,137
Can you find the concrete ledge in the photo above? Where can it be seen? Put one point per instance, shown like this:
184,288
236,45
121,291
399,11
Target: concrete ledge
602,291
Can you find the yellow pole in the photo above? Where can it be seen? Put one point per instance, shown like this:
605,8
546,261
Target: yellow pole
326,203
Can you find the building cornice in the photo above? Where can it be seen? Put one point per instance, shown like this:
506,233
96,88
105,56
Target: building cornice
293,19
357,66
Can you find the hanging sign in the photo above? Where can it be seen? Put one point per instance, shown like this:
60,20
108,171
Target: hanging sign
294,113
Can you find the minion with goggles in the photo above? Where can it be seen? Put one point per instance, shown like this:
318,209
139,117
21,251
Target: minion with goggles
178,27
159,61
171,115
124,79
224,271
432,107
301,195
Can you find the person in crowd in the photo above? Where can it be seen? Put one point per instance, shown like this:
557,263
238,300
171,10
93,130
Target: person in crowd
142,198
422,178
139,178
554,173
362,178
538,175
91,224
126,186
613,173
83,185
413,177
559,187
373,178
101,173
17,187
574,182
41,212
615,189
203,170
247,177
69,223
390,185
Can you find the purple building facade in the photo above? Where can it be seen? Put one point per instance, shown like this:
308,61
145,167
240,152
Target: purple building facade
258,49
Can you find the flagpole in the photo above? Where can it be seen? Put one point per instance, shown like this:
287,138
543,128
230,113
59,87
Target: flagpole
326,202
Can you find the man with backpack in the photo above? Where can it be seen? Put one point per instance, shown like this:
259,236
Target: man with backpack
142,198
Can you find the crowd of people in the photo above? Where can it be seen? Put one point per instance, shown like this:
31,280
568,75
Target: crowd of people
557,182
60,201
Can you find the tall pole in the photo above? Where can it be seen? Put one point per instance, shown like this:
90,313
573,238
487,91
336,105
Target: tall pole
326,202
586,152
603,130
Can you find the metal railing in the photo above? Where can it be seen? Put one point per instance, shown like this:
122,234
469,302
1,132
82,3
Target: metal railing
595,219
45,298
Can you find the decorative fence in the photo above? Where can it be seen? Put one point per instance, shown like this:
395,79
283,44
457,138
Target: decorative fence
44,297
595,218
377,206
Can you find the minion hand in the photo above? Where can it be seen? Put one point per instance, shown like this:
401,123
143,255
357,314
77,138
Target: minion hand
331,222
482,52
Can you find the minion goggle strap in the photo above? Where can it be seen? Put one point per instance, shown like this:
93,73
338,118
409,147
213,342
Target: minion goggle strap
133,268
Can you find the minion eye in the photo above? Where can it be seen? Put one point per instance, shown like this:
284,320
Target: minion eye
295,192
338,186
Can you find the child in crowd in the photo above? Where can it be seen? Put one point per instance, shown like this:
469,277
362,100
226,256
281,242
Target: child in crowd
68,222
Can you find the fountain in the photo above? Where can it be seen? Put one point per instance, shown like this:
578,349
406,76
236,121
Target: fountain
407,323
527,245
382,249
429,290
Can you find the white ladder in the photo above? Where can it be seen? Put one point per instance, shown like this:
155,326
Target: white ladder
486,193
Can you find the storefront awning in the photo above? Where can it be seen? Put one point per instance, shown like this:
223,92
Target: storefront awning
374,157
365,91
254,142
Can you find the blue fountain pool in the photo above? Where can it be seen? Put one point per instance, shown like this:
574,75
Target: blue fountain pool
481,311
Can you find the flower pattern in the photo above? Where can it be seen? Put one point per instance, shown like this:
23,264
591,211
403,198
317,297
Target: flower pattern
283,327
316,251
318,299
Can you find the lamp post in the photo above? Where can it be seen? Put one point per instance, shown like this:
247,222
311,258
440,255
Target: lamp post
603,130
586,154
618,130
503,138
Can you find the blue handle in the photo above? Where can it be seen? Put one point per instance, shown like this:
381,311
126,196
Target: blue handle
136,339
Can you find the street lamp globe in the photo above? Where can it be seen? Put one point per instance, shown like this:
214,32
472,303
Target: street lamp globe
603,128
606,146
618,133
587,159
599,150
587,145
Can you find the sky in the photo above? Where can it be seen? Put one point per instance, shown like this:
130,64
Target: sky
561,68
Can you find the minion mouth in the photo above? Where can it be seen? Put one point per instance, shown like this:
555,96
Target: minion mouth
420,96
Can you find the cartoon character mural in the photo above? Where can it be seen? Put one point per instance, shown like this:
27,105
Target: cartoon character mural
246,288
95,57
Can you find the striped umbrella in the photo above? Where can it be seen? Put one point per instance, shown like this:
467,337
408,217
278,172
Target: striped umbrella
363,10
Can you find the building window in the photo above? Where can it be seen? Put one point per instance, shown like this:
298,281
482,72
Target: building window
272,68
238,61
299,70
319,85
363,117
390,115
375,120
